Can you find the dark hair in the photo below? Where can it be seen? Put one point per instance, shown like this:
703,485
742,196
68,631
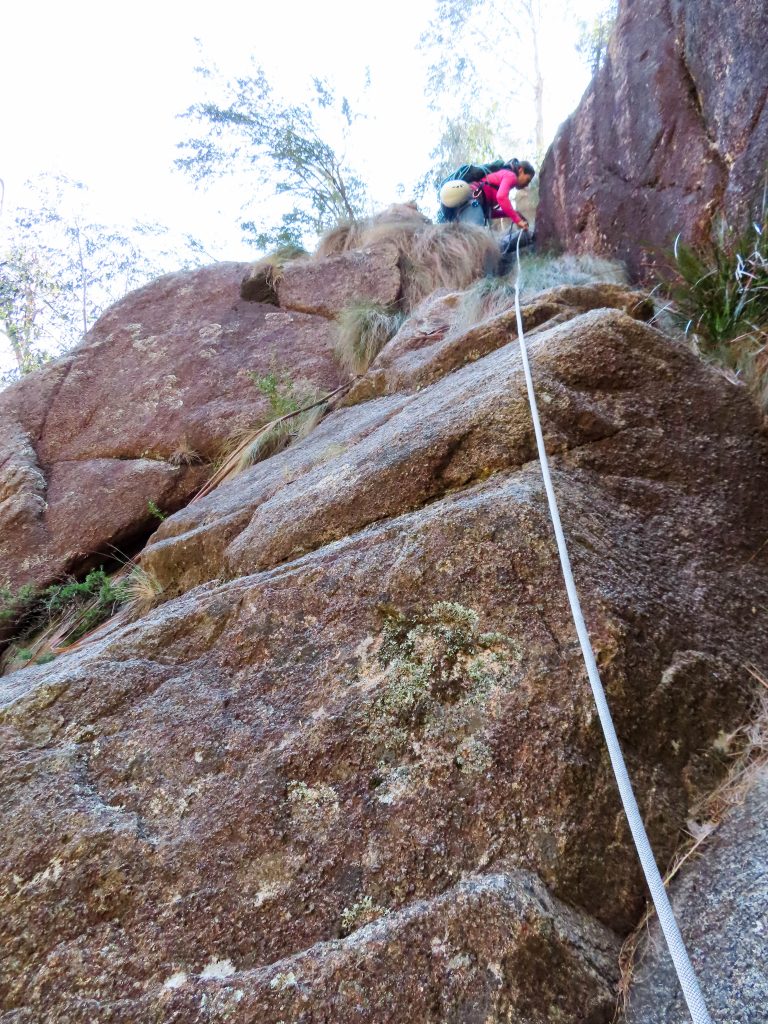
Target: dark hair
527,168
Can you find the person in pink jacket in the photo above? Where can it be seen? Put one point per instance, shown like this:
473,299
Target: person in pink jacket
495,189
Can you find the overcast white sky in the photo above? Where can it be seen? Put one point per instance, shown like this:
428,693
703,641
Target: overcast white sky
92,90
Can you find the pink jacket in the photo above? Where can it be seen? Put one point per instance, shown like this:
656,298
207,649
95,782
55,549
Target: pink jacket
496,188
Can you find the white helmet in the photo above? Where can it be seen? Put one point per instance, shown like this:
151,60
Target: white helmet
454,193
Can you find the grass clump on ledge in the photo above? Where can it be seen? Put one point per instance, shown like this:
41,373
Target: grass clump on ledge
285,398
719,297
364,328
430,256
540,273
260,283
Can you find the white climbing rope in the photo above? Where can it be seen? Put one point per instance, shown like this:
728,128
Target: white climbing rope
685,973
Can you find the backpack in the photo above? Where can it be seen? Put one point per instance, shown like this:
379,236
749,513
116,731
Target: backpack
470,173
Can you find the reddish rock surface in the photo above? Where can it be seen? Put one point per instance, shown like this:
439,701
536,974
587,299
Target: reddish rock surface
671,133
137,413
326,286
351,770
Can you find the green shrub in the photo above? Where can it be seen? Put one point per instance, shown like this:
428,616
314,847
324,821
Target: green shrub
88,603
155,511
14,605
719,295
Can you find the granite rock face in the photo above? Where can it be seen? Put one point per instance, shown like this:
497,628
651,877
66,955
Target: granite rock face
137,413
721,902
350,769
671,134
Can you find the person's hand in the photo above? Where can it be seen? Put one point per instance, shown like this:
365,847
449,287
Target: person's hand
523,224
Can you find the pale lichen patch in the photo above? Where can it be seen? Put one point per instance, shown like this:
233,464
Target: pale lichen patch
217,970
176,980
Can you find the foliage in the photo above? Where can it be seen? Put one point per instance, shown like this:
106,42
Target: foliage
719,294
286,146
15,604
594,35
59,269
93,600
364,328
284,394
481,137
469,53
78,606
155,511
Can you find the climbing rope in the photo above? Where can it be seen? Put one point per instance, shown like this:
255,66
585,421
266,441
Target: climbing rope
685,973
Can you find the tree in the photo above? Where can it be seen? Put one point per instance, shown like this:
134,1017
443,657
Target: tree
25,289
464,137
478,45
59,269
594,36
248,128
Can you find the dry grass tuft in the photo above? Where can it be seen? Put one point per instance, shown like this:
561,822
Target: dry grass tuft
363,330
343,237
143,591
542,272
185,455
484,299
431,256
275,437
261,281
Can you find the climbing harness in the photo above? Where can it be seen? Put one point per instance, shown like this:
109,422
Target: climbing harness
685,973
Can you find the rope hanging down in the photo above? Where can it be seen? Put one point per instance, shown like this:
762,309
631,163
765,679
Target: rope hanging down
685,973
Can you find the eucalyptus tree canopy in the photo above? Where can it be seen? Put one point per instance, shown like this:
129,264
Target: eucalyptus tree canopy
288,149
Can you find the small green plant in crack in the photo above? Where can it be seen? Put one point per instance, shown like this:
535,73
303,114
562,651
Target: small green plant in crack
285,398
89,602
438,673
283,394
156,512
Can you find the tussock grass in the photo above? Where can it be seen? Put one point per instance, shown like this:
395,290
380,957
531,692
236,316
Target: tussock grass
363,330
185,455
274,437
718,296
483,299
540,273
431,256
142,591
261,281
274,263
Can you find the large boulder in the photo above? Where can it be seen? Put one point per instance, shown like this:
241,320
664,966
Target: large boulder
137,413
671,133
721,902
351,770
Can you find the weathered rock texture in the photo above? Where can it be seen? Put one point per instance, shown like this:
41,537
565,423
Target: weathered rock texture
137,413
350,770
721,901
671,133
